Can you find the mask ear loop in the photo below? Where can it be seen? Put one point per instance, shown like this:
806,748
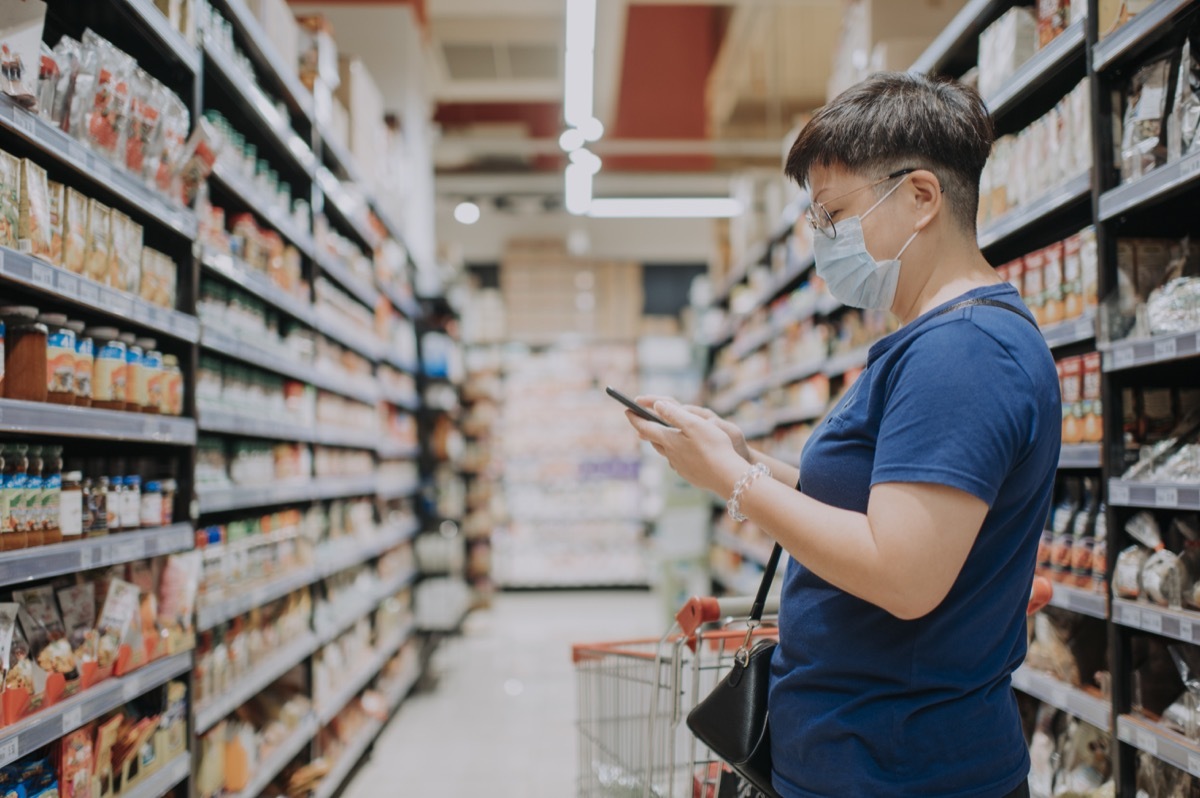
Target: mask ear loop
891,191
911,238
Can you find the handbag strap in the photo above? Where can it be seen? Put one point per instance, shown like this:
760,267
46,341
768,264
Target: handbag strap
764,587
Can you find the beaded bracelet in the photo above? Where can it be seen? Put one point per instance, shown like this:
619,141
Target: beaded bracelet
733,505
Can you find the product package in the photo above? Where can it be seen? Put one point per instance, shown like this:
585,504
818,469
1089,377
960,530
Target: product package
10,200
158,278
58,199
118,625
21,27
75,227
99,241
125,261
1052,281
34,224
78,605
1143,138
77,759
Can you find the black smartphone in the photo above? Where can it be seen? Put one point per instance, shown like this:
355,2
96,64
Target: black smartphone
634,406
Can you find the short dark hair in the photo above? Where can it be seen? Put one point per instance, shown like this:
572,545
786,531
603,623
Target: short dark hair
899,120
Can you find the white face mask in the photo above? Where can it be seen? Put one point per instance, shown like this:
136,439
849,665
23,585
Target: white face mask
854,277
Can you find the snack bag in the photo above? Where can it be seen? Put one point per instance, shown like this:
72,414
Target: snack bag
21,27
78,604
34,224
118,620
77,758
194,163
106,120
44,630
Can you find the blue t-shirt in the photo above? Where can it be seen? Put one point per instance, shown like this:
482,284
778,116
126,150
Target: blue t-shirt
865,704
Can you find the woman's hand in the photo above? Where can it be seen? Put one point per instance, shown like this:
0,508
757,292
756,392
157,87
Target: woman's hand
697,448
736,437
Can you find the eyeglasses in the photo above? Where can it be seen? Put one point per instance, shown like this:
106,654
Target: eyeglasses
818,214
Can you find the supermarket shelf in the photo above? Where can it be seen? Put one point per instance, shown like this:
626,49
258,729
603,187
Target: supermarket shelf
364,343
1036,212
1079,455
396,362
406,401
75,155
224,343
154,25
340,156
46,418
400,491
1084,602
1071,332
349,439
50,724
1133,37
1150,351
217,500
210,712
218,612
348,206
345,764
236,184
1150,189
740,349
245,91
357,684
27,271
361,290
43,562
280,758
838,365
162,780
345,385
229,423
1159,742
259,47
332,558
242,275
1039,70
1068,698
1177,624
750,551
962,30
391,451
1154,495
405,304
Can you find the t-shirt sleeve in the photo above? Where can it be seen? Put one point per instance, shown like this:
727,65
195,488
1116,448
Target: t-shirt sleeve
957,412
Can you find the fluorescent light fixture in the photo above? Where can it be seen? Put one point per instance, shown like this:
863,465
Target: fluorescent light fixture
592,129
663,207
578,195
581,25
580,62
466,213
571,139
587,159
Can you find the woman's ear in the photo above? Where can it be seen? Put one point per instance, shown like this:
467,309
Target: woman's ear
927,196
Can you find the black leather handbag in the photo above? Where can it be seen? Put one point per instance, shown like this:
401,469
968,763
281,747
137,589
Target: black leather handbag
732,719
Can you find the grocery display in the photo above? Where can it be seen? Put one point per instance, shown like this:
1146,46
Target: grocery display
208,416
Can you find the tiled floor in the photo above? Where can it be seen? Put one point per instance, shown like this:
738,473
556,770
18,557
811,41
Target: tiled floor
501,721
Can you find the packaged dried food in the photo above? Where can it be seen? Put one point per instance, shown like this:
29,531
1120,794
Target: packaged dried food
67,60
158,278
34,224
1143,140
125,263
10,200
1072,399
99,241
75,231
117,620
1165,579
195,162
1034,284
106,120
57,196
21,49
1184,120
1127,580
77,759
1093,406
44,632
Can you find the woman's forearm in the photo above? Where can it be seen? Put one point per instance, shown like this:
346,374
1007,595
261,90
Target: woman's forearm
783,472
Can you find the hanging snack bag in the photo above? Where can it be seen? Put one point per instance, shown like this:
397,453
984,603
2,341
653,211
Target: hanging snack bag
10,200
34,225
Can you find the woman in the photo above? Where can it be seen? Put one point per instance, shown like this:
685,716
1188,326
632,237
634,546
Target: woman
913,520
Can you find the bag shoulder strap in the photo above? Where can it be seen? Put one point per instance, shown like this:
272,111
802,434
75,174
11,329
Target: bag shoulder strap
760,600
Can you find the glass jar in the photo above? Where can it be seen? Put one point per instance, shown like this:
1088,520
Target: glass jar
86,506
152,504
172,395
83,364
70,506
60,359
151,385
133,371
169,487
131,503
24,353
108,369
32,499
16,471
116,494
51,494
98,507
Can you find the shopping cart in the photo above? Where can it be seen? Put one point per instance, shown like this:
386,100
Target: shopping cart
633,695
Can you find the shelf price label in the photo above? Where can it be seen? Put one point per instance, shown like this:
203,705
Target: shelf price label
1166,349
10,749
1145,740
1152,622
1166,497
41,275
1122,357
1118,493
1189,167
131,689
25,123
72,719
1186,632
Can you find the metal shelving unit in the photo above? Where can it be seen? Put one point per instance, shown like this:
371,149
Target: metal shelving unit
44,562
1069,699
209,713
45,419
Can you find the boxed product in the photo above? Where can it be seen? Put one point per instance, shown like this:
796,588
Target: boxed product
33,225
1052,284
1053,17
58,200
1144,132
99,241
125,258
1093,406
10,199
1072,270
75,227
1142,266
158,278
1004,46
1089,264
1071,370
1034,284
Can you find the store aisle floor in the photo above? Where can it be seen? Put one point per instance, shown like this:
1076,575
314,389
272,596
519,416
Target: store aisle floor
501,721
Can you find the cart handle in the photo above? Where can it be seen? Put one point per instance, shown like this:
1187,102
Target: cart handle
708,609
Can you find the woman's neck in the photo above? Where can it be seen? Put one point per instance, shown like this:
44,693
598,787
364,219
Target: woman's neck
952,274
